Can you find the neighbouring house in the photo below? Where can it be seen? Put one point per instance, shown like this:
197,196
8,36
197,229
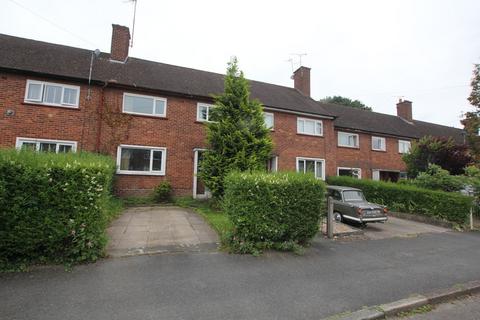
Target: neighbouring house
150,117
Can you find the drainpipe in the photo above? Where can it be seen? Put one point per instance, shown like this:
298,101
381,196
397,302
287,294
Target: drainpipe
100,118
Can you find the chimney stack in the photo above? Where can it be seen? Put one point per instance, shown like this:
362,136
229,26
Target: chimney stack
301,80
404,109
120,43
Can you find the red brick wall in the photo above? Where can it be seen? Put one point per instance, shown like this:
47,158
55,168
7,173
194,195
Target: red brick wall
367,159
38,121
288,144
100,126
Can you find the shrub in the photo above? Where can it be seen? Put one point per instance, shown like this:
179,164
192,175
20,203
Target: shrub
163,192
436,178
450,206
54,207
280,210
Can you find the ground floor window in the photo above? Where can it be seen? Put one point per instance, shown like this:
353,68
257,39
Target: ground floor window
133,159
45,145
350,172
272,164
385,175
312,165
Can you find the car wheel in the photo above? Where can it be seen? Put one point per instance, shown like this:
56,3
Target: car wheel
337,217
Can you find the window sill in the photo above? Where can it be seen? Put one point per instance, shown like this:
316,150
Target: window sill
145,116
140,173
348,147
310,135
27,103
377,150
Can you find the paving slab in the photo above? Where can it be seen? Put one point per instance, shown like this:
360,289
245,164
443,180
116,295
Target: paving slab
159,229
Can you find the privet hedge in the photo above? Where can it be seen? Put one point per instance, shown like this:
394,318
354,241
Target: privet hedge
448,206
53,207
280,210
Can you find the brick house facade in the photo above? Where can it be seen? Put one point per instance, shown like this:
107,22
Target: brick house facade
66,109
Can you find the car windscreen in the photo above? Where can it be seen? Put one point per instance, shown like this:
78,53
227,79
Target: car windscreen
353,195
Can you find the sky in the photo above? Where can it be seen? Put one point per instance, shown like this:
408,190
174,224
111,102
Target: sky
374,51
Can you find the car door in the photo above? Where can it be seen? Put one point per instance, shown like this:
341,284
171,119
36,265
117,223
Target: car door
341,206
338,205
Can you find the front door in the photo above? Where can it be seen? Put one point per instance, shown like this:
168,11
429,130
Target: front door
199,189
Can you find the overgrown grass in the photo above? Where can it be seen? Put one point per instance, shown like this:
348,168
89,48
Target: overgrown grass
211,212
420,310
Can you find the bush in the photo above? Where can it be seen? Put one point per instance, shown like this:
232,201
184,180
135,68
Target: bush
54,207
163,192
436,178
280,210
448,206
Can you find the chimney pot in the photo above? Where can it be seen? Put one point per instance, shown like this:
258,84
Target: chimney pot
404,109
301,80
120,43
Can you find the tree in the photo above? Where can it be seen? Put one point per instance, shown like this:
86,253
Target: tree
471,122
440,151
346,102
237,136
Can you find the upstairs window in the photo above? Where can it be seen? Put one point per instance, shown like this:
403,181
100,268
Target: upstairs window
346,139
313,166
203,112
379,144
52,94
43,145
144,105
404,146
269,120
310,127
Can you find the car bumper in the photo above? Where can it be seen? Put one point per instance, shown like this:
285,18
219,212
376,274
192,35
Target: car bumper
369,219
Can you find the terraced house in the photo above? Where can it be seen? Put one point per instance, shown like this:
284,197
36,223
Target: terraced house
150,117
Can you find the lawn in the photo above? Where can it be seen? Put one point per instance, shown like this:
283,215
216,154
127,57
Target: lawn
211,212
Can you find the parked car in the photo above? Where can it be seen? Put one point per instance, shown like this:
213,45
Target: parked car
350,204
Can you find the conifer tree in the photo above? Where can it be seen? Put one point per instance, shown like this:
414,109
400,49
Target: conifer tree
237,137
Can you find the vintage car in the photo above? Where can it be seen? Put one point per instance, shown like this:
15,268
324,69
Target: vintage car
349,204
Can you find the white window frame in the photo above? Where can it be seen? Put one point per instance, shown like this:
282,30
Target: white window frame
351,169
400,142
20,140
357,146
154,99
312,159
273,119
40,101
315,126
274,160
209,106
143,173
384,143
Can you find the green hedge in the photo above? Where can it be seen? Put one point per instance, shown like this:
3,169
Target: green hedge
278,210
53,207
448,206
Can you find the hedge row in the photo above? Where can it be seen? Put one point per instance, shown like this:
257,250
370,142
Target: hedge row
53,207
448,206
272,210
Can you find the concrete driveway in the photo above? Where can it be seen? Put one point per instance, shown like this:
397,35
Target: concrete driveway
146,230
396,227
